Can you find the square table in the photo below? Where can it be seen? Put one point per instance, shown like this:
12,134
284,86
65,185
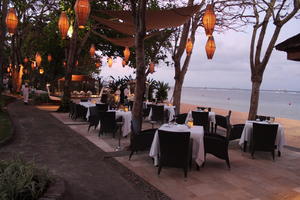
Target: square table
197,133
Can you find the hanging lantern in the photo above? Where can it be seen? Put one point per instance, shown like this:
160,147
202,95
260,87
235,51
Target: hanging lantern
210,47
63,24
8,69
124,63
49,57
25,60
126,53
110,61
209,20
70,31
82,12
189,46
151,67
41,71
76,63
65,63
11,21
32,65
38,59
98,64
92,50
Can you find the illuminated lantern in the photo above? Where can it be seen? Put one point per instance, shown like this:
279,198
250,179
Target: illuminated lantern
8,69
11,21
49,57
82,12
110,62
70,31
98,64
209,20
63,25
126,54
65,63
25,60
77,63
38,59
41,70
189,46
123,63
210,47
32,65
92,50
151,67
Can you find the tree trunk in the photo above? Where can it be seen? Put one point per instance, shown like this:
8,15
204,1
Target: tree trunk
177,94
2,39
254,100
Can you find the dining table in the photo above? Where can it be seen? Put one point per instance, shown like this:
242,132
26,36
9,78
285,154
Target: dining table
197,133
248,130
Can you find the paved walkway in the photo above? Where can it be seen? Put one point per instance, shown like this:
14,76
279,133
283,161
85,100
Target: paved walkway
51,144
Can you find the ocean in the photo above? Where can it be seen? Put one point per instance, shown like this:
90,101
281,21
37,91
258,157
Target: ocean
280,104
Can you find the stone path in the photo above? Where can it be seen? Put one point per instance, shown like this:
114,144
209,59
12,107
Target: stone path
51,144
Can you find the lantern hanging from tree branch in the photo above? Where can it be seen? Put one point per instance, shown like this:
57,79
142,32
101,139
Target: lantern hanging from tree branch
210,47
25,60
41,71
98,64
110,61
189,46
126,54
124,63
92,50
209,20
11,21
38,59
63,24
49,57
151,67
82,12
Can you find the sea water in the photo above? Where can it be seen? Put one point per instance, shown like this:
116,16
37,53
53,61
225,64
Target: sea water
280,104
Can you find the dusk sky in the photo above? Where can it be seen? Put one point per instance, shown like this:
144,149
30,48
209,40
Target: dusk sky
230,66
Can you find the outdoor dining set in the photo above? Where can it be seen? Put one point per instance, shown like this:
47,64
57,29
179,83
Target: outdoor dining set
182,139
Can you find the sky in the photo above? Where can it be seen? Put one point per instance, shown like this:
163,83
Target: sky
230,66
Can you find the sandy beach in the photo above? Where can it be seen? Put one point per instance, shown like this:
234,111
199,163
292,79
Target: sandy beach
292,127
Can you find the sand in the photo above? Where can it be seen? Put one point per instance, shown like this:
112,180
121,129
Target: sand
291,127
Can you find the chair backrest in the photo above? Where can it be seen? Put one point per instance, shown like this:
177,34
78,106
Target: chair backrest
157,113
236,131
93,111
180,119
262,117
130,105
135,126
264,136
108,121
201,119
102,107
222,121
83,100
104,98
204,108
174,147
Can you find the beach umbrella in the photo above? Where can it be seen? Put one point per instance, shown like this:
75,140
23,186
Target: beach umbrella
189,46
209,20
63,24
49,57
82,12
110,61
92,50
38,59
11,21
210,47
126,54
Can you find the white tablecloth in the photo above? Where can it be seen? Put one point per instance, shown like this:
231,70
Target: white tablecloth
197,133
171,110
127,116
211,116
248,129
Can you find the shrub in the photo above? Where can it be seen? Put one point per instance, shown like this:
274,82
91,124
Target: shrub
20,180
162,91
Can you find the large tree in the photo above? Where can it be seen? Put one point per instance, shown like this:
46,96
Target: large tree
265,13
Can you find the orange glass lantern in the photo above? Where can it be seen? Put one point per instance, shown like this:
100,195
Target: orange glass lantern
209,20
38,59
41,71
63,24
189,46
98,64
65,63
126,53
124,63
82,11
210,47
25,60
32,65
110,61
49,57
92,50
11,21
151,67
8,69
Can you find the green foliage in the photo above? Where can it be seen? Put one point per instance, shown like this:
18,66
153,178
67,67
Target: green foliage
152,84
162,91
119,82
20,180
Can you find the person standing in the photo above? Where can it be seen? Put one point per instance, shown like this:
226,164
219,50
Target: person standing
25,91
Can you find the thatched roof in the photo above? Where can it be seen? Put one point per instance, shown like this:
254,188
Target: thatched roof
291,46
